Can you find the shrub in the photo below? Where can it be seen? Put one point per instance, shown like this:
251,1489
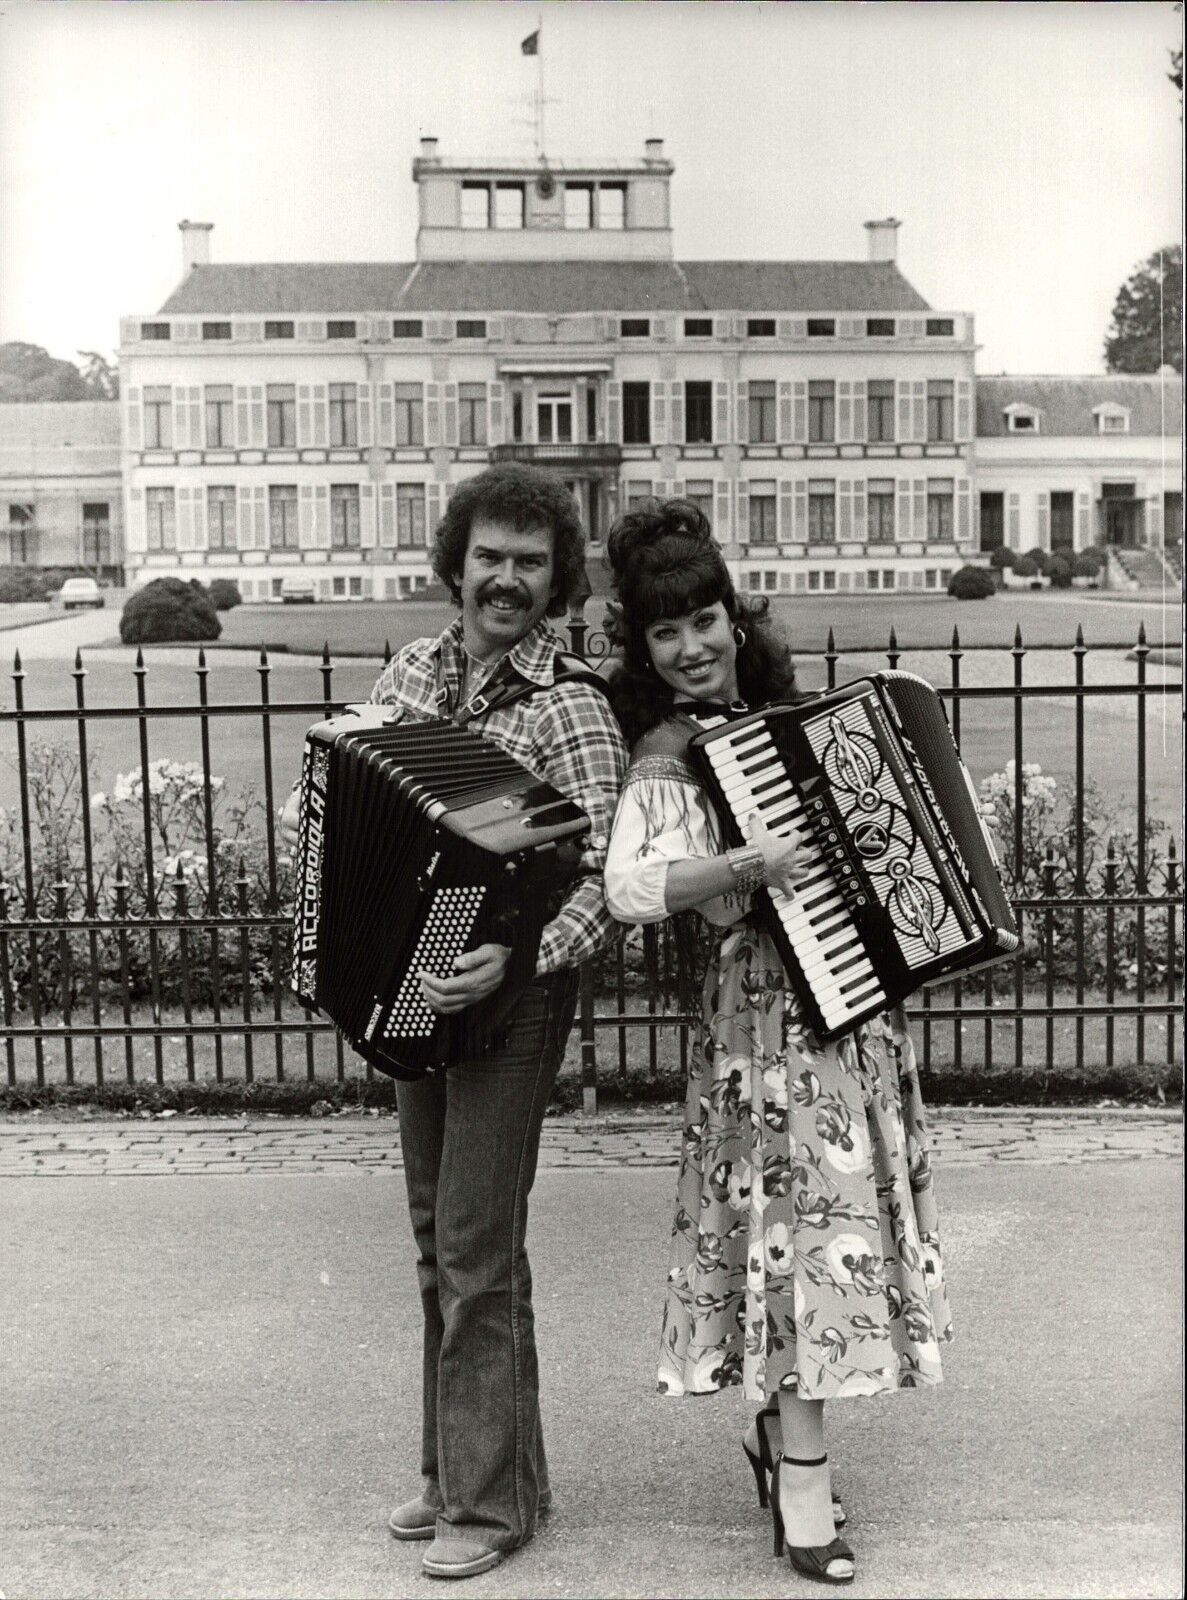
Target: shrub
972,583
1002,558
1024,567
1059,570
1041,559
224,594
1090,561
166,610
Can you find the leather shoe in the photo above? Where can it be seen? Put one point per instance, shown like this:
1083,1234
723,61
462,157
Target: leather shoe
415,1519
459,1558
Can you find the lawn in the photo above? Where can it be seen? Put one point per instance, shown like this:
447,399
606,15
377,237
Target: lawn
859,622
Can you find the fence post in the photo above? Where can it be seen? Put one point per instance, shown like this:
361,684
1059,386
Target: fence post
589,1059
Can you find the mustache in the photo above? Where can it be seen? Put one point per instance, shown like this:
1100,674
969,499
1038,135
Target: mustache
497,592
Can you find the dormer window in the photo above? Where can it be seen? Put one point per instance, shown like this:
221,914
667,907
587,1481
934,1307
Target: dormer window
1021,419
1111,418
635,328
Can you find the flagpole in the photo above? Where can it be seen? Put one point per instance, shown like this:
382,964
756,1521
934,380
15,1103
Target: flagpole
540,84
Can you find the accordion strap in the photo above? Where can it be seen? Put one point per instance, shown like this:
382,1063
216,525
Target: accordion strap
570,669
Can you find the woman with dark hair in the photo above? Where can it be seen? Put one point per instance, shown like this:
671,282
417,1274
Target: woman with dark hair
805,1262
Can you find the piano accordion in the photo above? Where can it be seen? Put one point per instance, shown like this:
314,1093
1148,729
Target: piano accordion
902,887
418,841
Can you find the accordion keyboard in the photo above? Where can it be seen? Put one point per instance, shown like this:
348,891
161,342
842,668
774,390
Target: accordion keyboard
816,919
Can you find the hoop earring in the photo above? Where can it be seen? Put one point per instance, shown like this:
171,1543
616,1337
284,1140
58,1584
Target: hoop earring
739,637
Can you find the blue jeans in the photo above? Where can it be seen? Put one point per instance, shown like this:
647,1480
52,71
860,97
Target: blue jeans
470,1136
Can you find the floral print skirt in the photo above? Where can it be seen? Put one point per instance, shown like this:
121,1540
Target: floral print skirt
805,1251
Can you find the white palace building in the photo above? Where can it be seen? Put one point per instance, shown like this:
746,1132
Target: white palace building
315,417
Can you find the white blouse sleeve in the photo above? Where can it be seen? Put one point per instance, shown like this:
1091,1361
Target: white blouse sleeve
663,816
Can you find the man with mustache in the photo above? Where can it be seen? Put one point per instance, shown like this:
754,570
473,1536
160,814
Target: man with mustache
510,548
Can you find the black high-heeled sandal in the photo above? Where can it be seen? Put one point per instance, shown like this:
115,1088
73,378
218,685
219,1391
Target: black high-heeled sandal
762,1465
810,1561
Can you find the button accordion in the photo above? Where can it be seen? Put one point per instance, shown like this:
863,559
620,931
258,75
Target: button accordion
902,887
418,841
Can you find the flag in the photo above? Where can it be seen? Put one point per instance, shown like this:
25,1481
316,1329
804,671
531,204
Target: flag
531,45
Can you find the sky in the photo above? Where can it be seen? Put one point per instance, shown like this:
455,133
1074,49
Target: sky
1032,150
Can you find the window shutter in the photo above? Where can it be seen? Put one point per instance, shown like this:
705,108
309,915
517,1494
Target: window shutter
135,539
432,414
387,515
783,427
242,416
259,433
743,523
1154,521
313,328
367,516
848,328
964,510
434,498
439,328
919,507
385,414
677,488
243,531
910,328
844,411
845,510
739,327
799,424
963,422
859,509
244,332
792,328
902,411
859,411
305,517
1043,519
259,516
722,328
783,529
721,412
799,515
1083,521
662,489
495,405
919,410
613,412
186,332
185,518
194,410
495,329
676,414
133,421
304,415
198,523
321,516
450,413
742,413
181,419
661,327
366,438
1014,521
659,412
321,414
129,330
902,509
721,512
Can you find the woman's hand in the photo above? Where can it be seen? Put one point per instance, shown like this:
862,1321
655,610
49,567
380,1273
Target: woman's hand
781,854
287,817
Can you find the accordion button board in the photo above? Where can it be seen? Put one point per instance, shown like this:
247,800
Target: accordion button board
899,885
418,841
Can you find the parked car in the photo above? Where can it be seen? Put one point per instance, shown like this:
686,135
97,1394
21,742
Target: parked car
81,593
297,590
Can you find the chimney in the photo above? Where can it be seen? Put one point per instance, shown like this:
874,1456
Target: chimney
428,148
653,149
883,239
195,245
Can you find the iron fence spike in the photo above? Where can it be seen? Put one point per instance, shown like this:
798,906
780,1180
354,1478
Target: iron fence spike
78,666
202,667
16,662
1141,635
1018,636
325,653
1080,636
955,637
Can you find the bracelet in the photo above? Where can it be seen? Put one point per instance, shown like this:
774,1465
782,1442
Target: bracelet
748,867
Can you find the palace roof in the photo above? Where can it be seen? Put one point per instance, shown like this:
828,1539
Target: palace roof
1067,405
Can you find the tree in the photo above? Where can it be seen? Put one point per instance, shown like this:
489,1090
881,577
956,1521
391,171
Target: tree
1146,329
100,375
27,372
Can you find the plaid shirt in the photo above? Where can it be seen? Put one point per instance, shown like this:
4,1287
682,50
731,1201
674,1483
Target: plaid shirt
568,738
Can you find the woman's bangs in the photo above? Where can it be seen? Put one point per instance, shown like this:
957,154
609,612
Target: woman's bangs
680,590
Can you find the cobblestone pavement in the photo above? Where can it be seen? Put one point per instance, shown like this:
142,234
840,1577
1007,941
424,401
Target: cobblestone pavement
162,1146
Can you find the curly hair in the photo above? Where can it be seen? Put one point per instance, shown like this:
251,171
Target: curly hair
525,499
666,563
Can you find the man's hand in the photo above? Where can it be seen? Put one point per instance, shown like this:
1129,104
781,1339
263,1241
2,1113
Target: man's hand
287,818
476,974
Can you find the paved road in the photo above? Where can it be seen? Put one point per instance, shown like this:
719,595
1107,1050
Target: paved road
164,1146
211,1386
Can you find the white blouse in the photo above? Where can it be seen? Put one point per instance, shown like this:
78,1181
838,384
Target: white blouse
663,816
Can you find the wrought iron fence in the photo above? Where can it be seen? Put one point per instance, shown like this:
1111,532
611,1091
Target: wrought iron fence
116,941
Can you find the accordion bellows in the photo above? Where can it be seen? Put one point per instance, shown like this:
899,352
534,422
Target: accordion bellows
418,841
901,886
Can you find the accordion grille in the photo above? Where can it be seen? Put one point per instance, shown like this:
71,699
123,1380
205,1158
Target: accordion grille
451,916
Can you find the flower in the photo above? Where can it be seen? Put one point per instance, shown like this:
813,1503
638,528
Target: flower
780,1249
739,1190
709,1251
806,1088
852,1262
